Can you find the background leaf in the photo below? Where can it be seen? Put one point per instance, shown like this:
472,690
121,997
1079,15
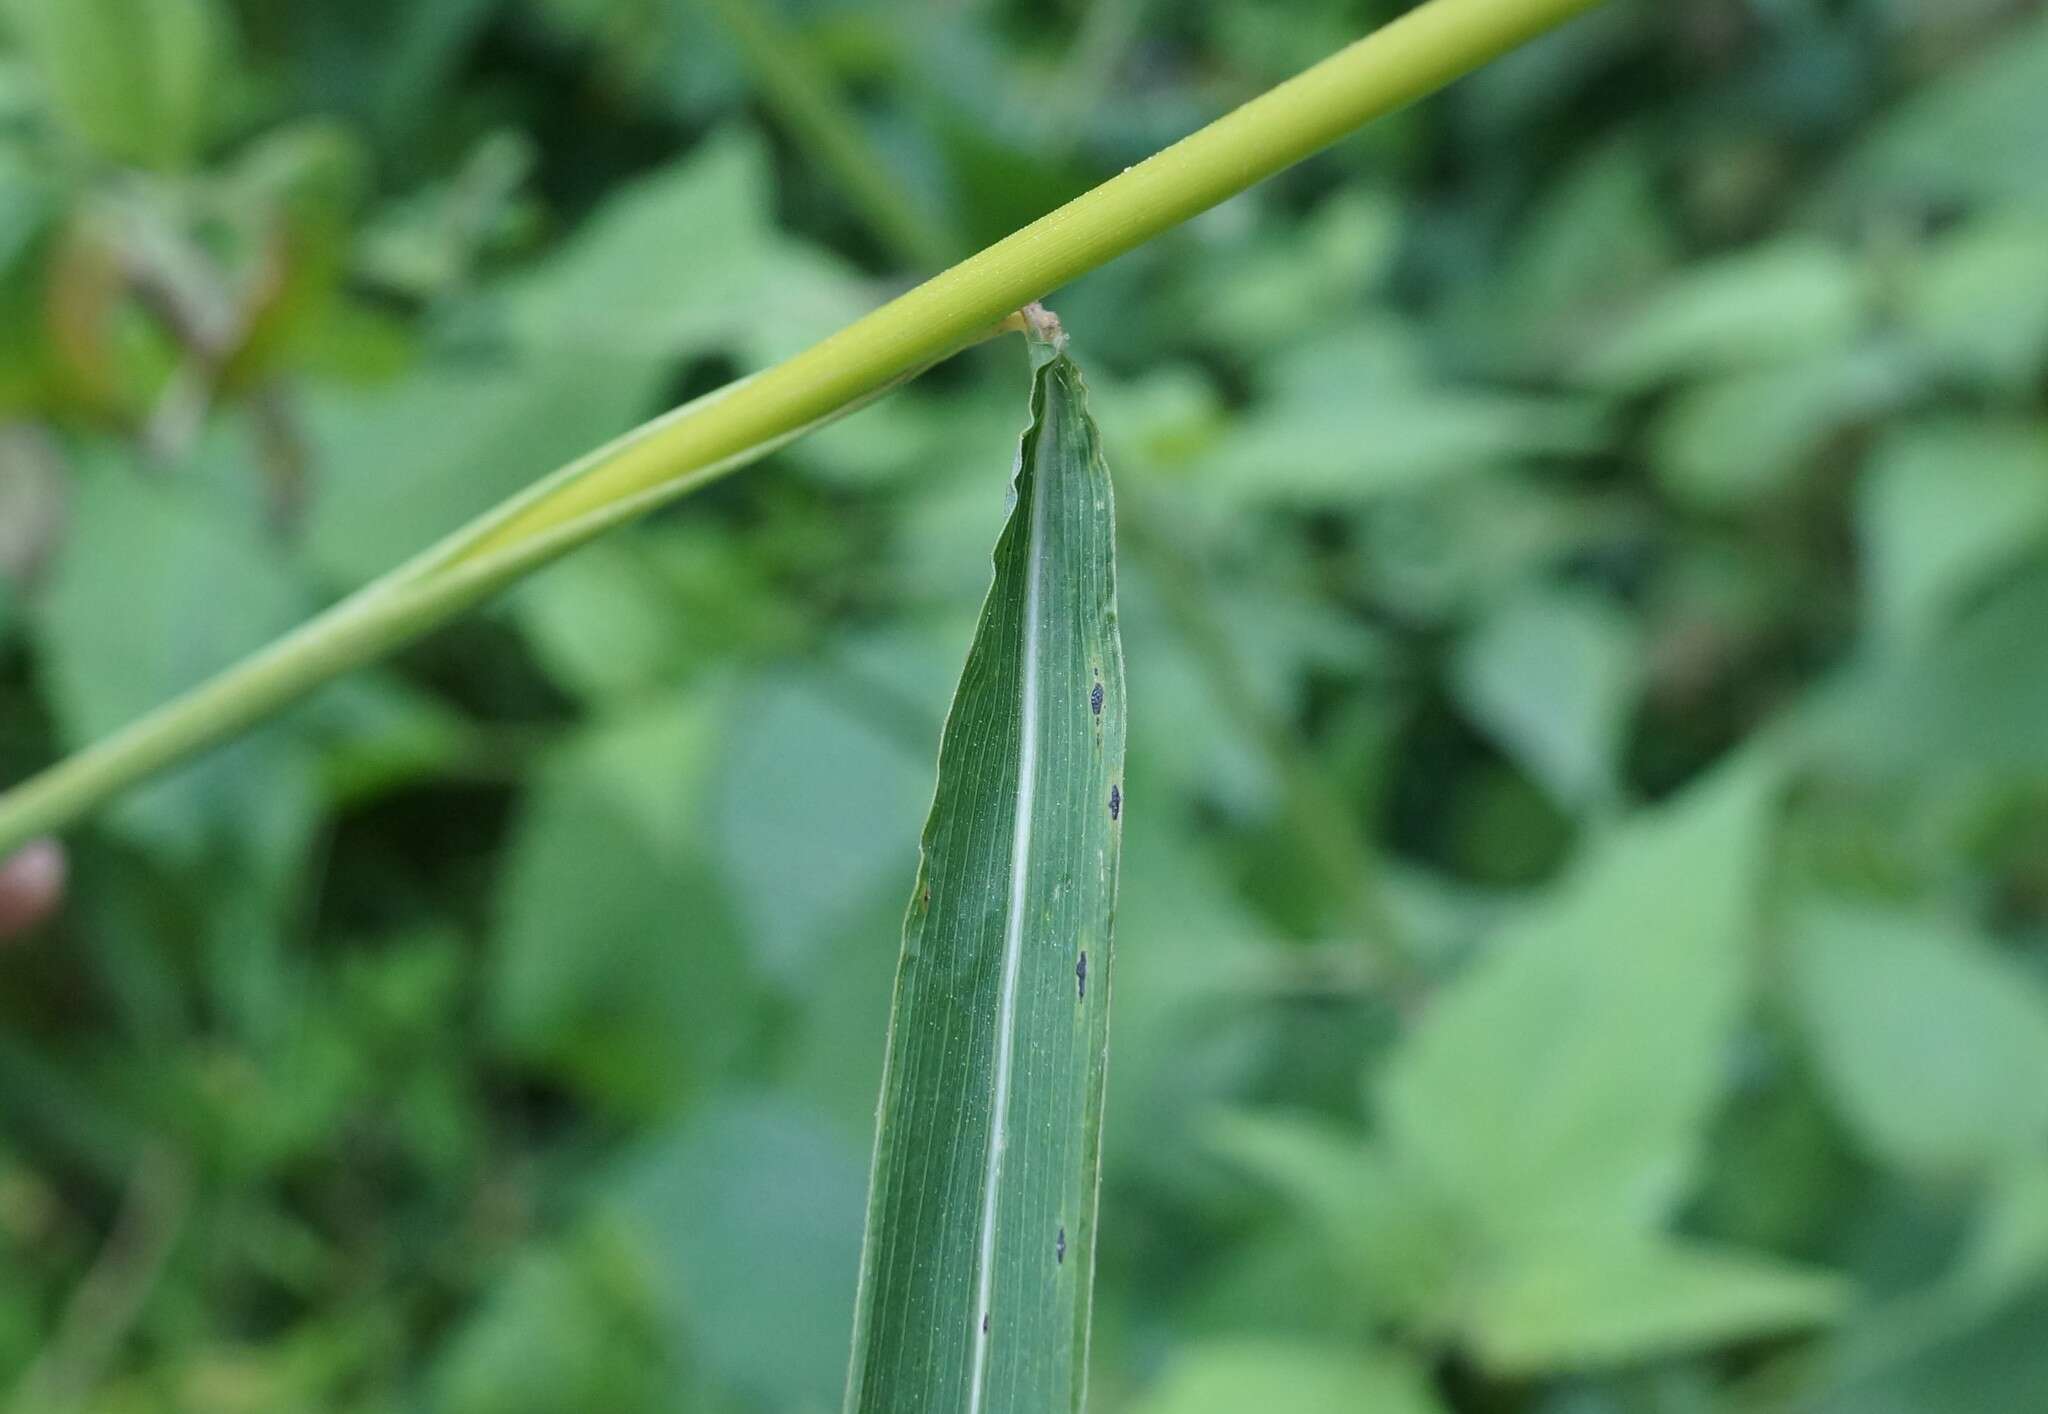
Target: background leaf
1916,1030
135,80
756,1214
1554,679
686,262
1296,1379
1943,509
617,953
1562,1085
1768,305
1613,1305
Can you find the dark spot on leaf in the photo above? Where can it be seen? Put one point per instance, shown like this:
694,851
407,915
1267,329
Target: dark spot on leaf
1095,700
1059,1247
984,1323
1081,973
925,898
1116,803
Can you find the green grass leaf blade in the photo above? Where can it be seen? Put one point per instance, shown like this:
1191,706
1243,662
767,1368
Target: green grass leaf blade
975,1280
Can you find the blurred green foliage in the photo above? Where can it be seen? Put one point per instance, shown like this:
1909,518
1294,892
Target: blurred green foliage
1585,936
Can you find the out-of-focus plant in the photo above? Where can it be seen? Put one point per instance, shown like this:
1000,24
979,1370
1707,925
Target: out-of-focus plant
1584,542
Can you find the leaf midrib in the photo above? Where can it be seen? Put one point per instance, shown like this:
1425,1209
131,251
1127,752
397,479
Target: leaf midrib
1013,931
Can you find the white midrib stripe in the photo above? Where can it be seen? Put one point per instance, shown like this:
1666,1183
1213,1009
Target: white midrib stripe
1013,942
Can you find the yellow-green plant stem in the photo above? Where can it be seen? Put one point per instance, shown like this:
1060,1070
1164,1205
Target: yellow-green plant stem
377,619
1413,56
